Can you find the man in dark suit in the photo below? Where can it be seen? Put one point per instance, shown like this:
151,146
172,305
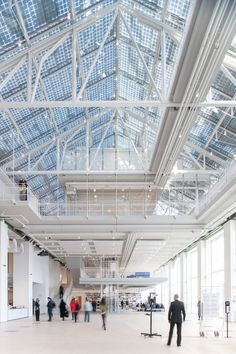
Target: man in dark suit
175,313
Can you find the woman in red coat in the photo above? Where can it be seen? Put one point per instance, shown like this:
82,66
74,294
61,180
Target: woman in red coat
75,308
72,307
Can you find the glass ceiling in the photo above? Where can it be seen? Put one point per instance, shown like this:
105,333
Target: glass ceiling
129,66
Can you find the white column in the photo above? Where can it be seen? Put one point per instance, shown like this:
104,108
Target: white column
229,266
170,271
3,272
182,275
200,260
22,278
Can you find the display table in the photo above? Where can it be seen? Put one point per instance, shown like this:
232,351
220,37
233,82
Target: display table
15,314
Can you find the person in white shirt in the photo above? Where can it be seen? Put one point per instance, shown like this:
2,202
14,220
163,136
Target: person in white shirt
87,310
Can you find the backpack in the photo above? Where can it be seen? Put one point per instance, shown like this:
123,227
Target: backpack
77,307
53,304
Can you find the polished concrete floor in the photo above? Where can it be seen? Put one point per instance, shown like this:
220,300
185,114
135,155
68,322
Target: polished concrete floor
122,336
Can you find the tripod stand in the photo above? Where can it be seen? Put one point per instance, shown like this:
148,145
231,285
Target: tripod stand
150,334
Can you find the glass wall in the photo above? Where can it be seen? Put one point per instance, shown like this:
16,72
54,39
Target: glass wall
186,280
213,288
191,289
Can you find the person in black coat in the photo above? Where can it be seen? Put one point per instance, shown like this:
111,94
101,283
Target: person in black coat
37,309
50,306
175,313
62,307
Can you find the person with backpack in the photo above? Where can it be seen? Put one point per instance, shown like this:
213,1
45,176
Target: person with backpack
75,308
50,305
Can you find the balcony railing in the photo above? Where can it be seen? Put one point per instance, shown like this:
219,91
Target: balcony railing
83,209
19,195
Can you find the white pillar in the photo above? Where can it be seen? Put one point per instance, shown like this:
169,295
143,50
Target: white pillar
22,278
182,275
3,272
200,265
170,270
229,266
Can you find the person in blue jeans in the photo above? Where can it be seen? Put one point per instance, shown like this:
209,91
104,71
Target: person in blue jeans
87,310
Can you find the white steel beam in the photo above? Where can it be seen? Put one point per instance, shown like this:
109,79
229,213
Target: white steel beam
60,136
132,143
43,59
52,39
206,153
114,104
100,143
42,156
10,116
141,57
97,55
12,73
228,74
152,22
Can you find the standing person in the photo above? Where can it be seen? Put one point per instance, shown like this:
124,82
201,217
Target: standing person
37,309
199,309
103,308
72,307
175,313
75,308
61,292
94,304
33,305
62,307
50,306
87,310
122,304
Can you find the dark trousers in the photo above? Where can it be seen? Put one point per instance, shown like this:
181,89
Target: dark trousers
179,326
75,316
37,313
49,315
104,321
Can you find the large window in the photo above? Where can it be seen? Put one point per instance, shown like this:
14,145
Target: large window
192,281
213,289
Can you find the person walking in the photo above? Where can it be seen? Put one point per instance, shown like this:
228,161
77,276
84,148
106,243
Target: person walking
37,309
94,304
50,306
75,308
61,291
87,310
176,310
122,304
200,309
62,307
103,308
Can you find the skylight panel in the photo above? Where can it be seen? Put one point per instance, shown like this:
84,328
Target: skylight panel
103,90
9,27
59,84
38,13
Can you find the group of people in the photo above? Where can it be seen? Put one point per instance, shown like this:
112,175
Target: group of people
75,307
176,313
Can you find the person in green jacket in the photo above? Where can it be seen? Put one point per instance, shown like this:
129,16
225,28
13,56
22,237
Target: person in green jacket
103,308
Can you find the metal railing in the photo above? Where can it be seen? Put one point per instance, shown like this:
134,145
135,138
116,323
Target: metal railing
19,195
83,209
